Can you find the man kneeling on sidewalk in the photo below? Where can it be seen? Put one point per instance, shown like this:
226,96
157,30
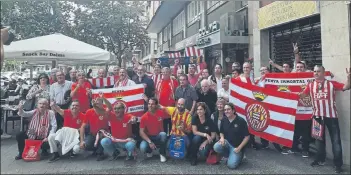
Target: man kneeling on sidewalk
68,136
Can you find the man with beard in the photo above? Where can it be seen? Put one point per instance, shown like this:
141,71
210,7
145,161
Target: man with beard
181,120
142,78
121,131
73,118
95,121
123,79
186,91
151,130
81,91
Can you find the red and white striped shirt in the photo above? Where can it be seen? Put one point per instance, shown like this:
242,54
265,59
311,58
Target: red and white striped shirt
323,97
156,78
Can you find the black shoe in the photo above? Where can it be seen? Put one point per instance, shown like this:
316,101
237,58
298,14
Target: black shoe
100,157
338,169
94,153
44,153
18,157
128,158
71,154
114,156
256,147
54,157
305,154
265,146
193,161
317,163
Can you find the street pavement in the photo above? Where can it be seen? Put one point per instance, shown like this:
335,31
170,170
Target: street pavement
268,161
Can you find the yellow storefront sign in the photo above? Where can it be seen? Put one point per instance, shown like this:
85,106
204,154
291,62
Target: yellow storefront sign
284,11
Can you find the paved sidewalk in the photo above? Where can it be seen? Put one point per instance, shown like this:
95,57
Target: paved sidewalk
259,162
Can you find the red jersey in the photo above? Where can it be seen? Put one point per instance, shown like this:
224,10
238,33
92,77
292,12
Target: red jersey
73,122
193,79
152,123
121,129
245,80
81,95
96,121
165,90
323,97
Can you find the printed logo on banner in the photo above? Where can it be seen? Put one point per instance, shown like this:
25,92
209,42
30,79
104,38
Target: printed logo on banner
257,115
119,98
306,101
283,88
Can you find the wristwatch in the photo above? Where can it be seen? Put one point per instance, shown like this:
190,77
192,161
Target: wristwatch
150,142
205,135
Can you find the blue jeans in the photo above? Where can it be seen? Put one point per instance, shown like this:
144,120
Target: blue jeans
234,159
89,142
195,145
110,146
334,132
160,141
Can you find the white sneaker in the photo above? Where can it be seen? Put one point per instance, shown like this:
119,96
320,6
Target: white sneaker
162,158
5,136
244,158
149,155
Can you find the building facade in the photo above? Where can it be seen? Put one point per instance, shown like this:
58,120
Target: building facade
322,31
215,30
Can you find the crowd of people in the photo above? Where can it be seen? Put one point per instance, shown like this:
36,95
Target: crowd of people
194,106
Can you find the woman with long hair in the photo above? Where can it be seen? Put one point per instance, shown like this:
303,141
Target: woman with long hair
234,135
40,90
204,131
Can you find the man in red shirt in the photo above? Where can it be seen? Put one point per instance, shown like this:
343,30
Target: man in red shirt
322,93
81,91
151,130
73,118
95,123
121,131
165,93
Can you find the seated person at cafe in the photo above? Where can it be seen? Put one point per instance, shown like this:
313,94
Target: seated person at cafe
152,132
73,118
41,126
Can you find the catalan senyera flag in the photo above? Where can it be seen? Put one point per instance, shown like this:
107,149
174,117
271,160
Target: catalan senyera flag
130,96
270,114
103,82
293,82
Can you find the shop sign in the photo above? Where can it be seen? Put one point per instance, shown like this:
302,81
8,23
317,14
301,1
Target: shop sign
186,43
281,12
212,28
203,41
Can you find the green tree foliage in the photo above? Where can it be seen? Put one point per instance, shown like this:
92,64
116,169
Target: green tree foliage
116,26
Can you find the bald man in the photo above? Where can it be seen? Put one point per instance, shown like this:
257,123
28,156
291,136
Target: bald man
101,73
246,75
207,95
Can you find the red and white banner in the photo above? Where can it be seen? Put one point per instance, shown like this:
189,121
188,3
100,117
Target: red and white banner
293,82
103,82
269,114
174,55
130,96
193,51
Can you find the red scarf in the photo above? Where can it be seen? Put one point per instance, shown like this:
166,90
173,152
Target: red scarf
38,126
122,83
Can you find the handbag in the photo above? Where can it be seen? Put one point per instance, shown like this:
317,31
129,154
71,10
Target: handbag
29,104
177,147
213,158
317,129
31,150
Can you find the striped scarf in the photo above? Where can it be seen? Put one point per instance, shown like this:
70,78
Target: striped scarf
156,78
39,126
122,83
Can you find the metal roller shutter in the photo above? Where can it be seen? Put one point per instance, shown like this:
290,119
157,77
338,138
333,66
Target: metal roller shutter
306,32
